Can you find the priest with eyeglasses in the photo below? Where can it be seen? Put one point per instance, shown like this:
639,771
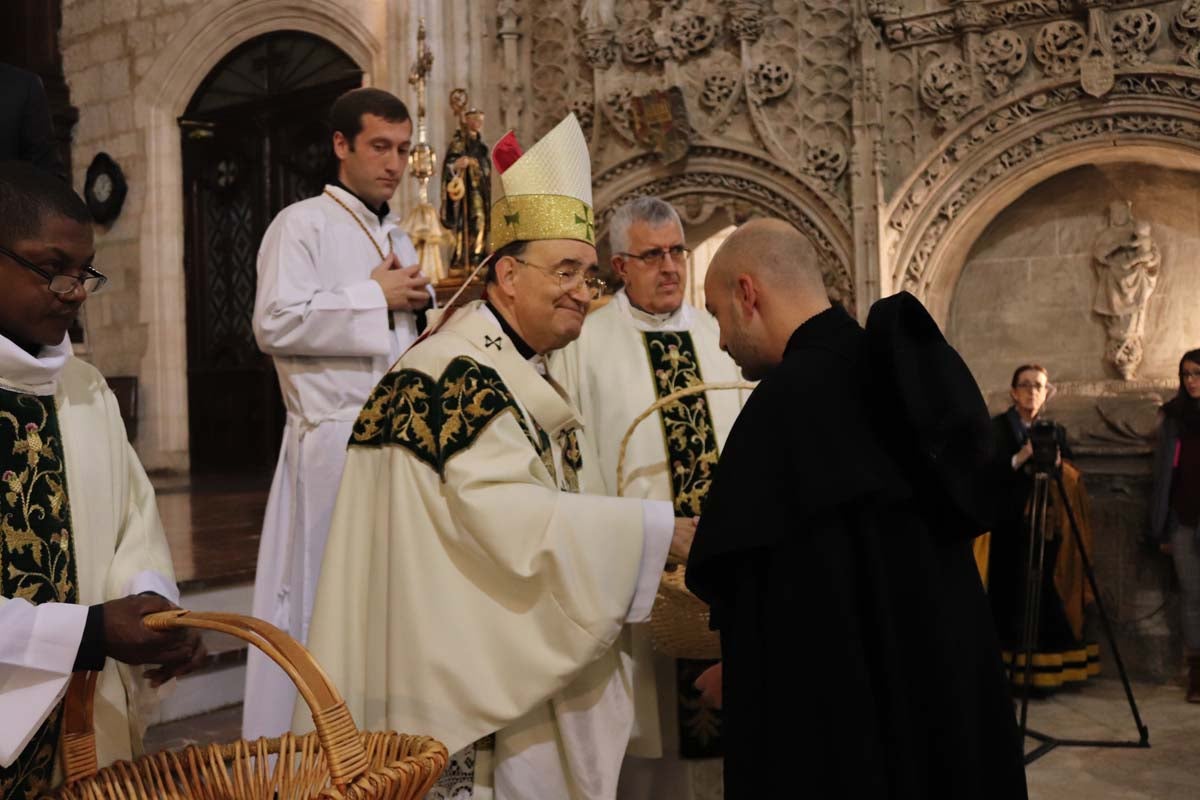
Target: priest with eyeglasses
83,556
476,580
645,344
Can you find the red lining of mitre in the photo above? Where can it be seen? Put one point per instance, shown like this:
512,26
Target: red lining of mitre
506,152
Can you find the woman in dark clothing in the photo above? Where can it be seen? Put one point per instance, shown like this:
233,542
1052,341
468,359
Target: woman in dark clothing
1175,503
1060,655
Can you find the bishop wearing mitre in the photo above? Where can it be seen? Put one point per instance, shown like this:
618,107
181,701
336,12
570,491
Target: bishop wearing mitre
472,588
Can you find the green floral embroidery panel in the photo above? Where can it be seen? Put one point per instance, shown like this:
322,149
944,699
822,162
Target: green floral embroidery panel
438,419
687,425
37,553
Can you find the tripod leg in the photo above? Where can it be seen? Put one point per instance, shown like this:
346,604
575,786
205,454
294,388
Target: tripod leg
1143,731
1035,564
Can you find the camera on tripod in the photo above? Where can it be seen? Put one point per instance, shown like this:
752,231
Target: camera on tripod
1043,436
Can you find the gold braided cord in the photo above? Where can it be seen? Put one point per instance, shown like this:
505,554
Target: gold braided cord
533,217
361,227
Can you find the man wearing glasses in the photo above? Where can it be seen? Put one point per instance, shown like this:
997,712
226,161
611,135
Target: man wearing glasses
470,589
83,552
643,345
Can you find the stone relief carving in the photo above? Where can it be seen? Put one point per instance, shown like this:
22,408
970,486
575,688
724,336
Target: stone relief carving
769,81
719,89
922,29
922,191
676,34
1127,268
1134,34
1186,30
768,76
746,20
1001,56
946,88
560,76
1060,46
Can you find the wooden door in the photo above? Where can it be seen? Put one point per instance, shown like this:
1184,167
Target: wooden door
255,139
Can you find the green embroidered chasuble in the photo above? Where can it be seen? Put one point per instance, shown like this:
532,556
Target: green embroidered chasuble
37,555
437,419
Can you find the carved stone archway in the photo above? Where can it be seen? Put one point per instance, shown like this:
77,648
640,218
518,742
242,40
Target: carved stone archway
160,98
717,177
1000,153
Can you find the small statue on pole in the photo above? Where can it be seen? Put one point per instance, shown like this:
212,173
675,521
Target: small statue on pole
467,185
422,224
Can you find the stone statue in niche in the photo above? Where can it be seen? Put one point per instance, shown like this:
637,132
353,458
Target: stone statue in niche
1127,267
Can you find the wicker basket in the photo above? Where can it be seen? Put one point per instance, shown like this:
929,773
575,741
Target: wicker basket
679,619
335,762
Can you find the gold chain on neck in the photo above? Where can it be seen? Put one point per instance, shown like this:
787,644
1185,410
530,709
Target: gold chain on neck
362,227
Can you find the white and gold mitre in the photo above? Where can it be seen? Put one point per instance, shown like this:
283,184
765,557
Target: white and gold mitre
547,191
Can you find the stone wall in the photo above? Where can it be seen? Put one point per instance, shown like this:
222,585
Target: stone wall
108,45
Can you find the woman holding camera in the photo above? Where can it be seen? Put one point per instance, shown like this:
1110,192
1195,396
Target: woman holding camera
1175,503
1060,654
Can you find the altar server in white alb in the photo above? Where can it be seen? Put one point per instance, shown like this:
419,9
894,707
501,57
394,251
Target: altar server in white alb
645,344
82,550
472,589
338,285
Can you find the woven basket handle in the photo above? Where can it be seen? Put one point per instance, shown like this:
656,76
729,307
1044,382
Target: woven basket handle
340,741
698,388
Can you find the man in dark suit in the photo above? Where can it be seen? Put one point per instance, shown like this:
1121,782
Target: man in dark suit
26,132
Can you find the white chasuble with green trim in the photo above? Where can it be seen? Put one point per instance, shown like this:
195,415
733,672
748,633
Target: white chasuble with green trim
466,588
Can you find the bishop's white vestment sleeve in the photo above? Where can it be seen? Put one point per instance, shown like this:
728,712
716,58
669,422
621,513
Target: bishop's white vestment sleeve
297,314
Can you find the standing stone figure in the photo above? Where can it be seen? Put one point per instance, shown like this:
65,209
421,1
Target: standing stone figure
1127,265
467,190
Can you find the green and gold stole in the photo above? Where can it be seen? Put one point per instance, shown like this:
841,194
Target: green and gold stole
687,424
37,554
692,453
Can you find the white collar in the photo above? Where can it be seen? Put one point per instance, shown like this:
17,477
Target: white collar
359,208
22,372
678,320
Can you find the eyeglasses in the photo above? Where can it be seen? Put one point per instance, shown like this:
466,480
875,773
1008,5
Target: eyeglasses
569,280
1186,375
1033,387
91,281
655,256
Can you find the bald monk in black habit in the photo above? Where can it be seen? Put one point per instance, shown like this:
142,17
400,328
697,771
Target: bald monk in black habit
834,549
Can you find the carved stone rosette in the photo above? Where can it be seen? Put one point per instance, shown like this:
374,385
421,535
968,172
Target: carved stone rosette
946,88
1001,55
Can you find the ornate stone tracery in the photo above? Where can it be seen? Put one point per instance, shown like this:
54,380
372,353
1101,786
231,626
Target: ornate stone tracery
1016,138
1001,56
1060,46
